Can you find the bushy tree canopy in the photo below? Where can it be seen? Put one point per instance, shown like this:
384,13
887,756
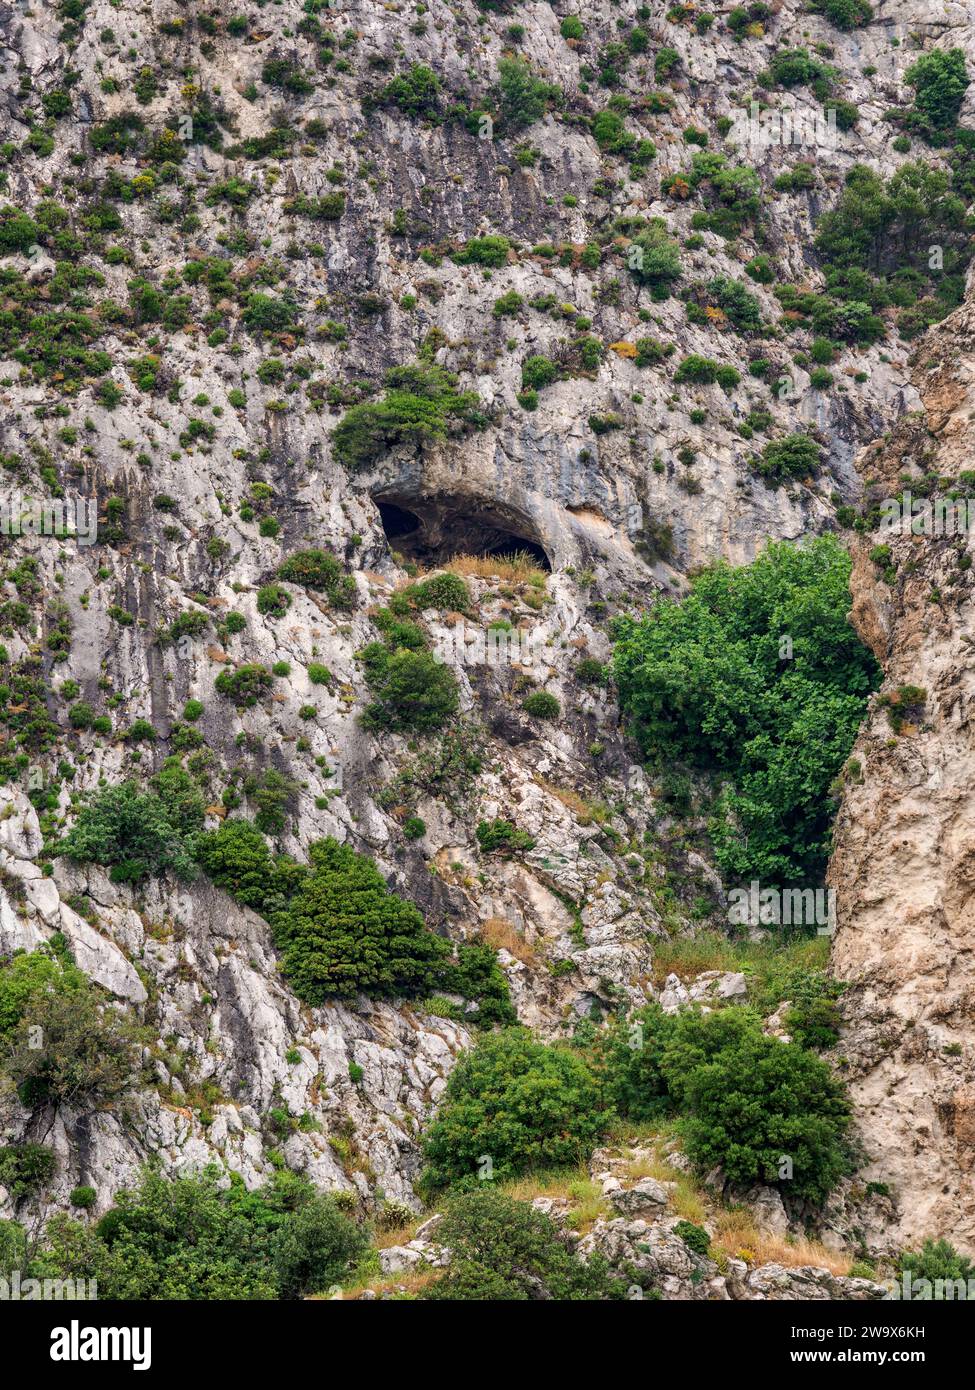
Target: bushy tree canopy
757,675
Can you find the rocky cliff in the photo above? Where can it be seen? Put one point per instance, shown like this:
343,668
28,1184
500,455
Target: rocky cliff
220,230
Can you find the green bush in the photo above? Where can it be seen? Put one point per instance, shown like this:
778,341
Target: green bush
760,1102
845,14
86,1055
321,571
505,1250
83,1197
502,837
131,833
26,1168
28,976
411,689
737,302
522,97
704,683
315,1246
195,1238
344,933
445,591
653,259
416,93
538,371
541,705
745,1101
937,1259
246,685
477,975
491,250
940,80
521,1103
237,858
418,407
694,1237
794,456
273,601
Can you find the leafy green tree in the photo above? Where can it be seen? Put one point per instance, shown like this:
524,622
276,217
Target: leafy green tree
200,1238
940,80
131,833
69,1049
523,1104
411,689
344,933
759,1102
503,1250
708,682
28,976
522,97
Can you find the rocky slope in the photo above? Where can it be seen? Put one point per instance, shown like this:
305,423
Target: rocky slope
183,164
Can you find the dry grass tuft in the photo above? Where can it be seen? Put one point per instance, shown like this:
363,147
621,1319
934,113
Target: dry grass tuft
499,933
520,568
737,1235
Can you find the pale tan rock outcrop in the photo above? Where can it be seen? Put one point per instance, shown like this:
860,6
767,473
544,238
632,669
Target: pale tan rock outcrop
904,862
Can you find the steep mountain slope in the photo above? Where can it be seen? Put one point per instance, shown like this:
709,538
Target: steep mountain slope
224,228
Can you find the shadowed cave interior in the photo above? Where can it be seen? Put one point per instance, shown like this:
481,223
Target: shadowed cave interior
431,533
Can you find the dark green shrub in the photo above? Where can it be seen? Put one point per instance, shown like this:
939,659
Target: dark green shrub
322,571
540,704
237,858
246,685
193,1238
491,250
502,837
419,406
83,1197
315,1246
694,1237
937,1259
845,14
760,1102
538,371
411,689
505,1250
273,601
522,97
416,93
940,80
129,832
445,591
794,456
653,259
521,1103
344,933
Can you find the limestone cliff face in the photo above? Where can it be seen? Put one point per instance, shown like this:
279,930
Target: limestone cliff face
904,863
167,146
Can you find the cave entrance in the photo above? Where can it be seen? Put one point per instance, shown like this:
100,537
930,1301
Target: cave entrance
433,532
397,521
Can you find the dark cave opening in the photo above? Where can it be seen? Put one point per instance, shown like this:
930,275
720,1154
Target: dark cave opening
397,521
431,533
